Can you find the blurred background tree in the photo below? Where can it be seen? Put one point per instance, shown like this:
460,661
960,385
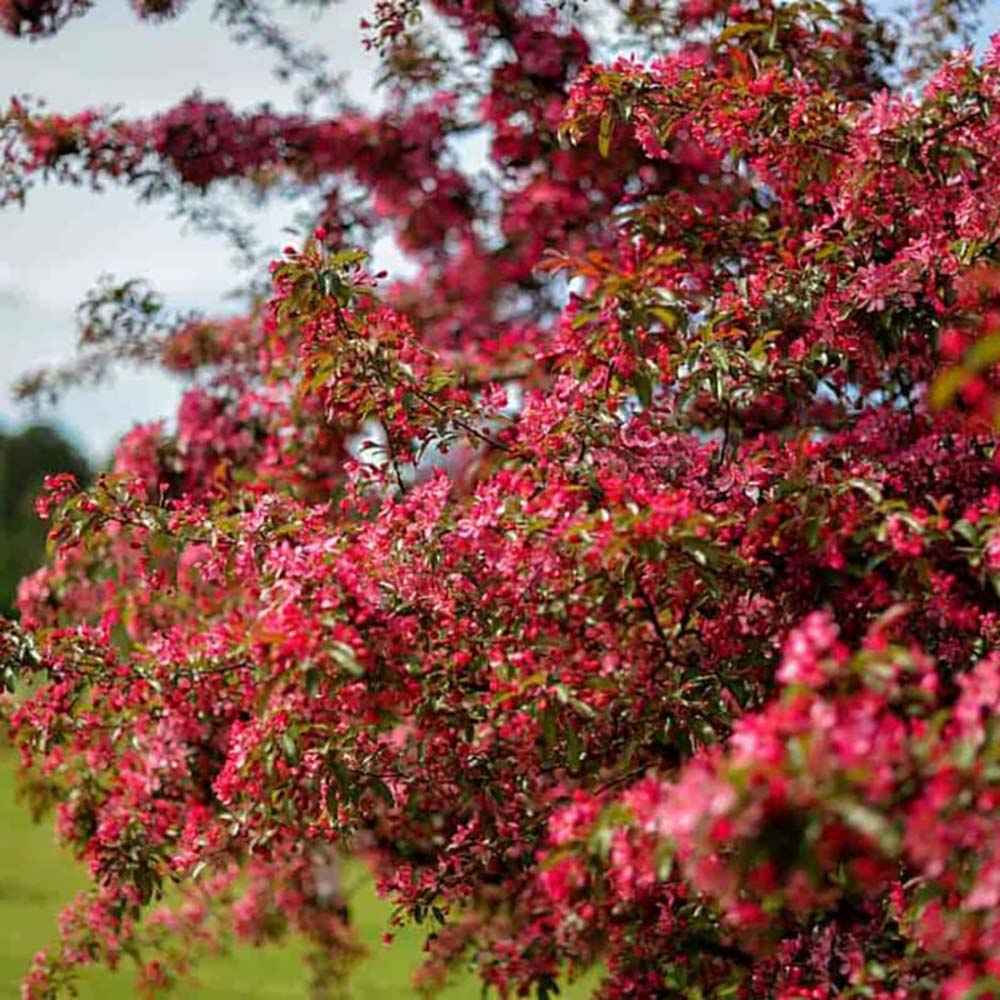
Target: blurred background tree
26,458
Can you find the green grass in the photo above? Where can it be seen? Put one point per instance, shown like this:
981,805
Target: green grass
37,877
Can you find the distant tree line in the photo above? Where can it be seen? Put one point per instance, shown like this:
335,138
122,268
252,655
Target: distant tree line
26,458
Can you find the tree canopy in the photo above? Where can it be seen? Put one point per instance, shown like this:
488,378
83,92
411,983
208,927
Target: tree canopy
623,584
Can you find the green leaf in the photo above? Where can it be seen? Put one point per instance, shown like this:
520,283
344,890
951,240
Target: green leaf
382,790
348,258
983,353
548,722
869,822
983,986
344,657
869,489
667,316
643,386
604,132
743,28
945,387
758,350
967,531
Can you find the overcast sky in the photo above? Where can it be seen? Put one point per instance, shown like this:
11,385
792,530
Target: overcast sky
53,251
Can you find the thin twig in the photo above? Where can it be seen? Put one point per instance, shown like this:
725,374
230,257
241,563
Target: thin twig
651,613
458,421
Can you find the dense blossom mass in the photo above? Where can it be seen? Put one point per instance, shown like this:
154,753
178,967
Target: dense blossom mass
622,586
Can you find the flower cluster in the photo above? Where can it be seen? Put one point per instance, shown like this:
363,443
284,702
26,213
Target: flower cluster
845,839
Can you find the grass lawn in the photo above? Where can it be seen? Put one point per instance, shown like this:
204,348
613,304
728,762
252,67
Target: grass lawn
36,877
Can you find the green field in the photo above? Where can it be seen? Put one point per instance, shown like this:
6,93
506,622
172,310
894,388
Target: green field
36,877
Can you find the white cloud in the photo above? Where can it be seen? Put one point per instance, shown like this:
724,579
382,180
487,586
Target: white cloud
54,250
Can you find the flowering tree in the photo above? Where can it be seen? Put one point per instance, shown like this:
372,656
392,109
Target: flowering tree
623,586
